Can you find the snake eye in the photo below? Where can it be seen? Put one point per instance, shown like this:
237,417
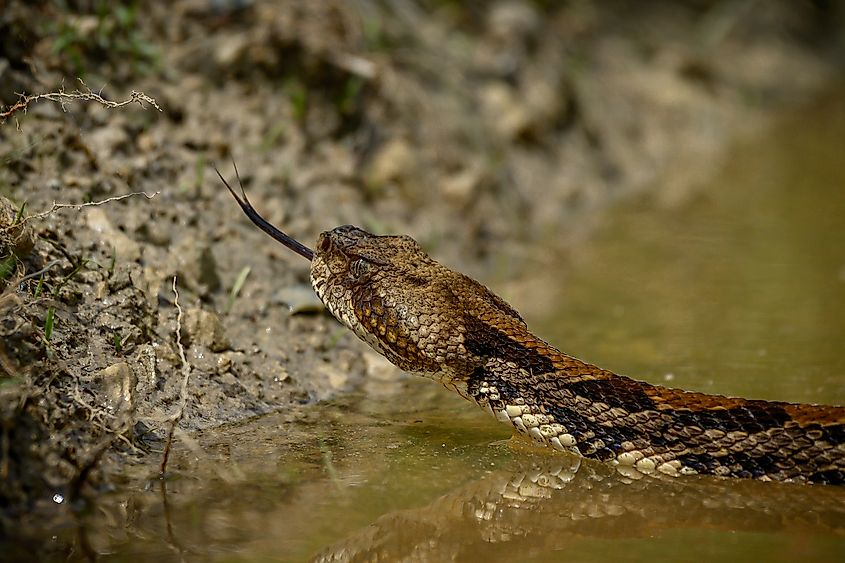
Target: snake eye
358,268
324,244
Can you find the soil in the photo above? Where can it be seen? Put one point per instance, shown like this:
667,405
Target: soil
480,129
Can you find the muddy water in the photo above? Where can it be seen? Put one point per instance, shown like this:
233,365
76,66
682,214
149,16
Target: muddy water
741,291
738,291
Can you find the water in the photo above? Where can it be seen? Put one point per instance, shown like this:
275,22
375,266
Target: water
739,291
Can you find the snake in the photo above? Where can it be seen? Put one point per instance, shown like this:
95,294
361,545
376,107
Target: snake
428,319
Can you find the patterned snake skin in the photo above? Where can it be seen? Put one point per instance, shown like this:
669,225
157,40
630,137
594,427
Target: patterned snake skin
441,324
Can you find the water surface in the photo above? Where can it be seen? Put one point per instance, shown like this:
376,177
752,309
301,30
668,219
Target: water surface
740,291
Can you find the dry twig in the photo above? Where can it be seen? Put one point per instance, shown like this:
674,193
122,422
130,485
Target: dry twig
83,95
186,374
56,206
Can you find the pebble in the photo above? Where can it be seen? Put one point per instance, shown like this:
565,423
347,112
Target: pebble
205,329
508,116
195,264
21,238
105,141
117,383
378,367
126,249
298,299
393,162
224,363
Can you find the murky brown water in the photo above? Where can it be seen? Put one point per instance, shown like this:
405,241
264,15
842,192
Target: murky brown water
741,291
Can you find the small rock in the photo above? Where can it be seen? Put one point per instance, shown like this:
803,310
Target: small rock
117,384
196,265
18,238
337,378
378,367
462,186
107,140
74,181
393,162
144,368
231,49
204,328
513,19
146,142
299,299
101,290
125,248
224,363
281,374
506,113
546,100
154,233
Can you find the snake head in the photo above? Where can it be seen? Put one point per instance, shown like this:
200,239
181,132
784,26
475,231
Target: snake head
419,314
390,293
349,253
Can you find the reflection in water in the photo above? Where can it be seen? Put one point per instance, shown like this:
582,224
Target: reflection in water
366,481
536,506
514,515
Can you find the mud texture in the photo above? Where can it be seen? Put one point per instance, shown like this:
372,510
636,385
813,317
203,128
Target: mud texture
481,129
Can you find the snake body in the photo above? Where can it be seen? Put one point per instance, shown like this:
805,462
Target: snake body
428,319
441,324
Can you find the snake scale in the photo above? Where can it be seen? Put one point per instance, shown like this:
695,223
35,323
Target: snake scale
428,319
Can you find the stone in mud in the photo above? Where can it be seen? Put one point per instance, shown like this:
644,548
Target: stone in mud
379,368
107,140
298,299
507,114
125,249
336,378
14,237
463,186
513,20
394,162
117,385
204,328
196,265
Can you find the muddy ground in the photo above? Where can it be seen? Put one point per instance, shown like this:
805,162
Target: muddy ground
473,127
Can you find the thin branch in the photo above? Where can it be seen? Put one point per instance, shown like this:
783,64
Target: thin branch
57,206
83,95
186,375
39,272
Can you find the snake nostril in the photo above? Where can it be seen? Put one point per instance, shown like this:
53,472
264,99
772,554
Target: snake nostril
324,244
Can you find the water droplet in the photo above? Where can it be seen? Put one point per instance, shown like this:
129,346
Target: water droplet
58,499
